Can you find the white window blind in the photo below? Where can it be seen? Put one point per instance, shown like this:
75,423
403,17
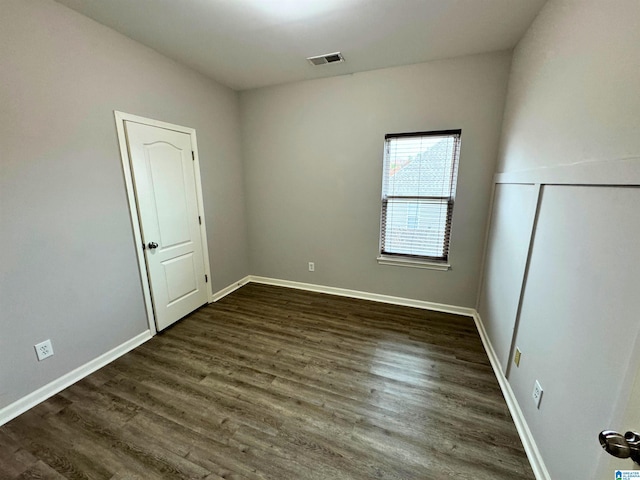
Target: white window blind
418,192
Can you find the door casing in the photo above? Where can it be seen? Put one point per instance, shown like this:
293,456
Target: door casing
120,118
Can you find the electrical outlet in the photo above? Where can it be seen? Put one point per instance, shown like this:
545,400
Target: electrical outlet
516,357
537,394
312,267
44,350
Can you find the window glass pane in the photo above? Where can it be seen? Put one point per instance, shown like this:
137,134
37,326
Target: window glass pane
420,166
425,237
419,182
413,217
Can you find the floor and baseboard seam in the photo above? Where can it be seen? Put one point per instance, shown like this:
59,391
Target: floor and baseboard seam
31,400
529,443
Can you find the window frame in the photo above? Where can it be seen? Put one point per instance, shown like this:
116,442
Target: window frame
412,260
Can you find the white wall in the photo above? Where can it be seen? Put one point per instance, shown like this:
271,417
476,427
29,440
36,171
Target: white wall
313,161
69,270
573,87
512,219
573,103
578,320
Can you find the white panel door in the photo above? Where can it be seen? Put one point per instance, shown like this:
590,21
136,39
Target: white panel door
166,196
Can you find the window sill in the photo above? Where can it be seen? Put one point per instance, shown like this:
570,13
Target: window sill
413,263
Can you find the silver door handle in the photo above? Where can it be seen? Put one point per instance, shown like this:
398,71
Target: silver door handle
152,245
621,446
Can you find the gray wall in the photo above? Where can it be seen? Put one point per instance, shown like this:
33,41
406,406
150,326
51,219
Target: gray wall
313,155
573,101
69,270
313,161
578,321
512,219
573,87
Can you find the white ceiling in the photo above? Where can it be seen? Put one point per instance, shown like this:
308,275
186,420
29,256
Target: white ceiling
253,43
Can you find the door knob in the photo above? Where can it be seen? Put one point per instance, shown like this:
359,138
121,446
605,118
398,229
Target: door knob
621,446
152,245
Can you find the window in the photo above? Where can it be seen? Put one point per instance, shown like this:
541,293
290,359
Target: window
418,191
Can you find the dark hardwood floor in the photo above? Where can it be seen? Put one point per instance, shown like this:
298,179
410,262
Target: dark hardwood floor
274,383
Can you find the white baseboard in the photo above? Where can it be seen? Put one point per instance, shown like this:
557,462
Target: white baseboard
375,297
229,289
529,443
34,398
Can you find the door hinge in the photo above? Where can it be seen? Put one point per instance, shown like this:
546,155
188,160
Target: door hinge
206,279
199,219
193,155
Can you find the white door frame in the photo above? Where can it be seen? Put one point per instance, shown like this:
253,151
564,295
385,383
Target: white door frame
121,117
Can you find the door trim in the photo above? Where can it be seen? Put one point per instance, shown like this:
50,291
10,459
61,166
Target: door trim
120,118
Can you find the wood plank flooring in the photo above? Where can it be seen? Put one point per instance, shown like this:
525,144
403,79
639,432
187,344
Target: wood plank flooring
274,383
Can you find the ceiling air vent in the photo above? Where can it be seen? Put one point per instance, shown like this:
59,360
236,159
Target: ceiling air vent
328,58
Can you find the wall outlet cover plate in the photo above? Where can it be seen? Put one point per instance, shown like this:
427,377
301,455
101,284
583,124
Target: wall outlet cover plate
44,350
537,394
